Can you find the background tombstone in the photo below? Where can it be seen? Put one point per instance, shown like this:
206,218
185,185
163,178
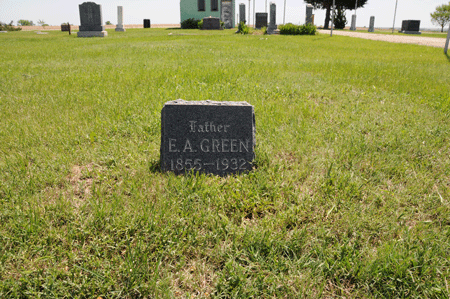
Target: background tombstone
372,24
273,18
242,13
211,23
119,26
91,20
411,27
147,23
208,137
227,14
353,26
261,20
309,14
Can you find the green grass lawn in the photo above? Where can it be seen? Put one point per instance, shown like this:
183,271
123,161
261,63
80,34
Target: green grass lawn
350,197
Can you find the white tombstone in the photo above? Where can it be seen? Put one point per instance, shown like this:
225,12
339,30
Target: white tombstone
119,26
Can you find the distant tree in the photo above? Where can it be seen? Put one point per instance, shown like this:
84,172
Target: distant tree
8,27
42,23
327,4
441,16
25,23
108,23
339,18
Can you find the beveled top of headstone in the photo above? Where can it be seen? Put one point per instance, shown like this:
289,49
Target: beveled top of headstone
207,137
91,17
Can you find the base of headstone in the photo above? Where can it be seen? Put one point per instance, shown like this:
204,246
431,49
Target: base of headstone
121,29
92,33
410,32
3,31
273,31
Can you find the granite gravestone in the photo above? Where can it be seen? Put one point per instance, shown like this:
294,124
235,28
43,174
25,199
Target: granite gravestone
309,14
227,14
207,137
91,20
65,27
261,20
119,26
372,24
147,23
411,27
211,23
242,13
353,25
273,19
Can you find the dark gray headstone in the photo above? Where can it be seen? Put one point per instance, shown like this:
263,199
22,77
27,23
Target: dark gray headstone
211,23
411,27
261,20
91,20
273,18
353,24
227,13
242,13
147,23
372,24
208,137
309,14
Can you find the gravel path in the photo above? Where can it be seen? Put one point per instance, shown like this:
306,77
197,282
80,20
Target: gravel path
405,39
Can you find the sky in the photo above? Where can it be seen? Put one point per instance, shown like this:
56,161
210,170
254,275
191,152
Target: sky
55,12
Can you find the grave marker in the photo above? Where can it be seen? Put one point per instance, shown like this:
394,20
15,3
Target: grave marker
273,18
372,24
309,14
211,23
147,23
410,27
242,13
119,26
261,20
91,20
207,137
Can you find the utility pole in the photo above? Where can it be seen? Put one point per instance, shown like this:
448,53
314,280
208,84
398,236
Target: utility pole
266,5
254,14
284,15
395,13
332,18
248,23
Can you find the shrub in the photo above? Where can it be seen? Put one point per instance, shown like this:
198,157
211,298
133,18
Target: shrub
8,27
243,29
291,29
200,24
190,24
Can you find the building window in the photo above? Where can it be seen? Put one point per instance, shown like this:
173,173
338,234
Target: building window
214,5
201,5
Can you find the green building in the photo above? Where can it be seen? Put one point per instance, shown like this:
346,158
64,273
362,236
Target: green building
199,9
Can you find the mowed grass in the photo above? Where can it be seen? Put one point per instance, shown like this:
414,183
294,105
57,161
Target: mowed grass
350,196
